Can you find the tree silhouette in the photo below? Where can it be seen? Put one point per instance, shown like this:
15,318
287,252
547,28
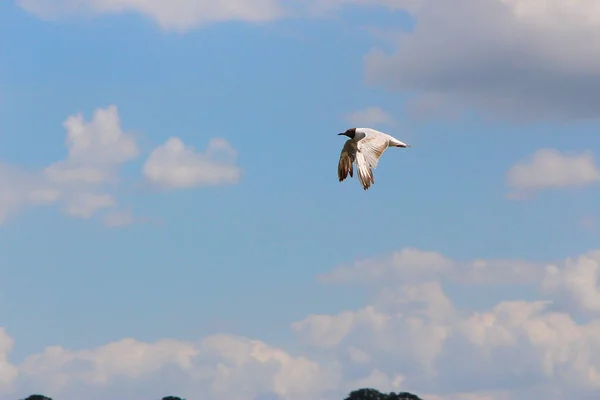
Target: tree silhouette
172,398
372,394
403,396
366,394
37,397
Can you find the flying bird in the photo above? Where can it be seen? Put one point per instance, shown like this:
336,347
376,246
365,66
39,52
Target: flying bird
364,148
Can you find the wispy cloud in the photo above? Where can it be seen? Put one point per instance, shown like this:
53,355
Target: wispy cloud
180,15
370,116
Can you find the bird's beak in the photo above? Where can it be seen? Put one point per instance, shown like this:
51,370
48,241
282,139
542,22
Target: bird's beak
341,133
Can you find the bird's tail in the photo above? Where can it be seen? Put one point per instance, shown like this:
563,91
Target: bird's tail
398,143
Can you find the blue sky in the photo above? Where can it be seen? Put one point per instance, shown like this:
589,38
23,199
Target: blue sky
241,255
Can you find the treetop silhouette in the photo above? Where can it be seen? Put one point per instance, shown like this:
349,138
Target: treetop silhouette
37,397
372,394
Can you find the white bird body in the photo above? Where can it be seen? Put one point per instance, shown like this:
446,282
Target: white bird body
364,148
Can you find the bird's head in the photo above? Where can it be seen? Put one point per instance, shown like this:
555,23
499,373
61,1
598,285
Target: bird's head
350,133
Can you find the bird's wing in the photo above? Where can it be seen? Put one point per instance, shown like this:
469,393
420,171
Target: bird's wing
347,156
373,147
365,173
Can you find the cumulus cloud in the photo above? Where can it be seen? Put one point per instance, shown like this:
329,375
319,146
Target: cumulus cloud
528,59
80,183
86,182
175,165
219,366
8,372
176,15
411,336
370,116
548,168
577,284
95,149
515,350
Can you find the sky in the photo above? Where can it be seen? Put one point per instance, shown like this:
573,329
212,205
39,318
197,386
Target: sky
171,222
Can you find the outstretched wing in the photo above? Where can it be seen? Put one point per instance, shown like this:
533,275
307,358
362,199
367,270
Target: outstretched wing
373,147
347,157
369,150
365,174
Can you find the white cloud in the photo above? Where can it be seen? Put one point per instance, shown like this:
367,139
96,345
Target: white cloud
96,148
80,183
176,15
219,366
328,331
408,323
574,283
410,337
548,168
101,141
175,165
8,372
515,350
370,116
520,58
87,181
577,283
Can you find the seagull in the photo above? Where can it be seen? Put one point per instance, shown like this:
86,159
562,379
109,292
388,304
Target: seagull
364,148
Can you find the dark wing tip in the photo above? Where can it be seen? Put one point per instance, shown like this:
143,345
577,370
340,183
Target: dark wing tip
345,167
